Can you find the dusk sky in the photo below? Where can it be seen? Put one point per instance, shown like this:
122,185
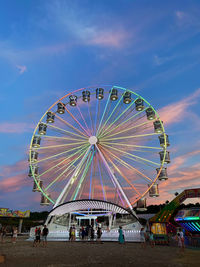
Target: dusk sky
50,48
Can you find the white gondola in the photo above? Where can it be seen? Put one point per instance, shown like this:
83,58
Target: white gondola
42,129
139,104
73,100
36,141
50,117
158,126
37,186
167,157
163,174
141,204
86,96
44,200
127,97
60,108
114,95
162,140
154,192
99,93
150,114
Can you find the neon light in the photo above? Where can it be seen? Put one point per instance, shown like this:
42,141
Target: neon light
187,219
198,229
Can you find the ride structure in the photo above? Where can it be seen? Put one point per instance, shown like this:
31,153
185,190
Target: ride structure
164,221
105,144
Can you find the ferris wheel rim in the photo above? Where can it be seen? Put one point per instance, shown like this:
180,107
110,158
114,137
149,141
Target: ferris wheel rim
84,88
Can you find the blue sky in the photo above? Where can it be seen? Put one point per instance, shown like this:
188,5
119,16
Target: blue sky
49,48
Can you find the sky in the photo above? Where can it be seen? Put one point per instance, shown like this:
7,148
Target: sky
50,48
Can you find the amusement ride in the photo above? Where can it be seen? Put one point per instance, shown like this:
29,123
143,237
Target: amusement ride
98,151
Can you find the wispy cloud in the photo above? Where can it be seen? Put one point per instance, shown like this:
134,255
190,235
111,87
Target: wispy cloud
15,127
21,69
179,110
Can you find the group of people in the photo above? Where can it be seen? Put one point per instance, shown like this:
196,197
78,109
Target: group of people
3,232
144,236
85,233
38,233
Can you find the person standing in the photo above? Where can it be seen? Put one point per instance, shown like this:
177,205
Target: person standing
3,233
34,242
143,238
45,232
151,240
121,236
99,233
73,233
38,233
14,235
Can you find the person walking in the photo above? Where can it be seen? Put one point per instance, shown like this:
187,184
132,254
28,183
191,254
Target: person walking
45,232
121,238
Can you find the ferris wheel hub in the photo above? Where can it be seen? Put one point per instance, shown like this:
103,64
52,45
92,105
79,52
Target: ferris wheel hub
93,140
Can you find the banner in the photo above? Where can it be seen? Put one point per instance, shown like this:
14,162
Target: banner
14,214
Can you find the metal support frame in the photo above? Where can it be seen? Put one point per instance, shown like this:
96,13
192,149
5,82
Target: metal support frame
75,173
115,179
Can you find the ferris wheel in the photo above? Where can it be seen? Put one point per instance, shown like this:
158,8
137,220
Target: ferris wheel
105,143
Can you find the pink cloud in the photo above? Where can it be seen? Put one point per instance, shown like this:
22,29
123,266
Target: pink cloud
21,69
109,39
13,183
177,111
18,127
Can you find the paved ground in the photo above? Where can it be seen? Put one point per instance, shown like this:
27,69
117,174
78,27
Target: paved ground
60,254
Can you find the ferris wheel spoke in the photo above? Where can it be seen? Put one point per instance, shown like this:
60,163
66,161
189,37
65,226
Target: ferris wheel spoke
66,169
88,130
71,144
97,115
90,116
62,161
106,129
131,155
123,145
128,129
65,131
125,178
71,126
114,178
128,137
76,120
86,167
60,137
101,180
123,122
126,164
58,154
73,177
105,108
103,126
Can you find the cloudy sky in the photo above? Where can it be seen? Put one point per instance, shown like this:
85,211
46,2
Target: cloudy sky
49,48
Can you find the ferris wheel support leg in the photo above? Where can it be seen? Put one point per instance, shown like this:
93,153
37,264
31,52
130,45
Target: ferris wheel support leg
75,173
115,179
